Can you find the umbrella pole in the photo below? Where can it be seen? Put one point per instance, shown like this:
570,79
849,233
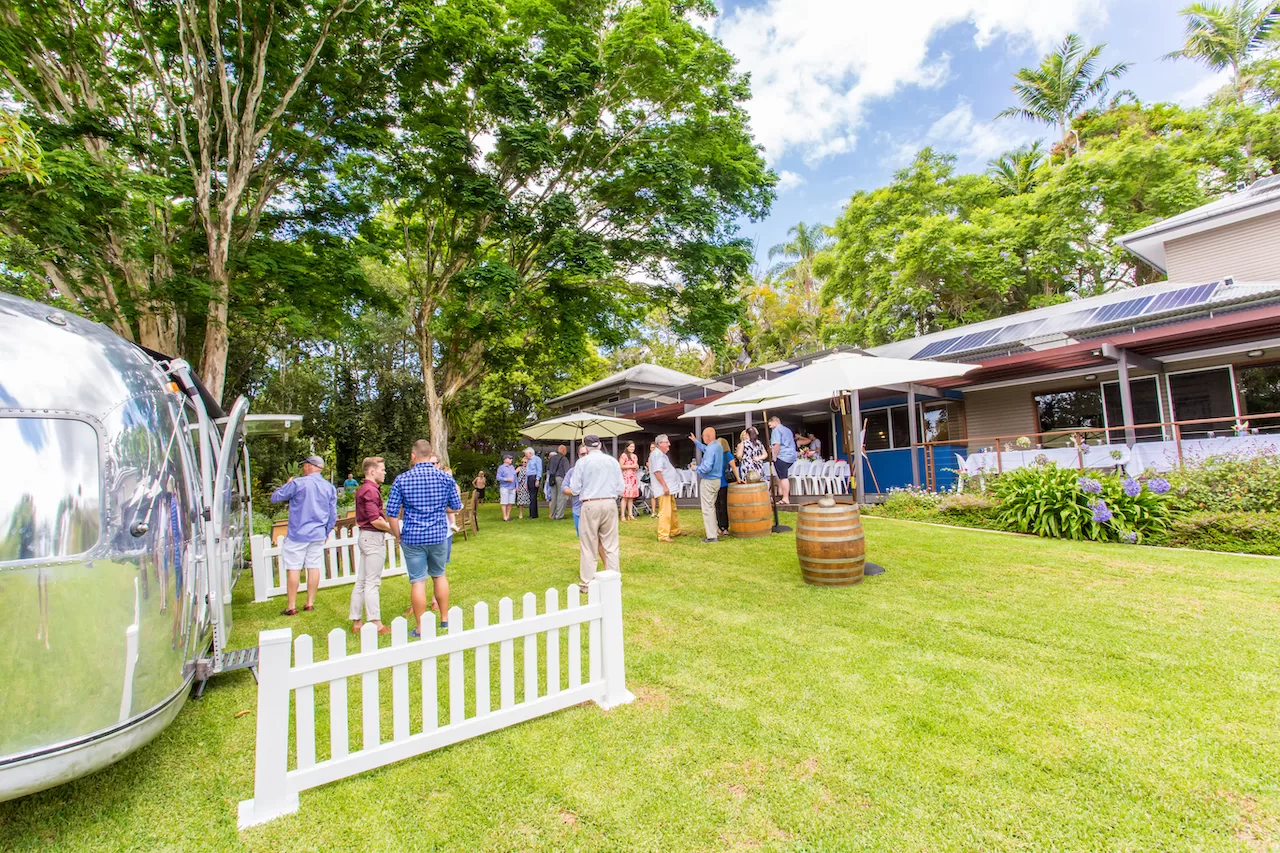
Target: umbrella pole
773,500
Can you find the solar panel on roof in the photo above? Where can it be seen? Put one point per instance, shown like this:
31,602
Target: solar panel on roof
1017,332
1065,323
1120,310
973,341
935,348
1183,297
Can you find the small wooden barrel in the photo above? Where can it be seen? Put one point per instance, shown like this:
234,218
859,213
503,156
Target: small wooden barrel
750,513
830,545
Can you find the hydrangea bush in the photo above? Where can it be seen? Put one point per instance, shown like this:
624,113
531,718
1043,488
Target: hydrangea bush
1058,502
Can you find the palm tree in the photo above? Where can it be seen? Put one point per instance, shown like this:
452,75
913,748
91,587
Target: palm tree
1062,87
1224,36
798,254
1014,172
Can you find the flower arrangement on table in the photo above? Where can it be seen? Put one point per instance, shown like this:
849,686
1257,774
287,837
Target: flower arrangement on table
807,454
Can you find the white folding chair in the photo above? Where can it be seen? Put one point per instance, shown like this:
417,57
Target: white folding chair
825,481
840,477
799,470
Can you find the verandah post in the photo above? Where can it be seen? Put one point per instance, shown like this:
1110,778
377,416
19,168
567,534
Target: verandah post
613,659
271,795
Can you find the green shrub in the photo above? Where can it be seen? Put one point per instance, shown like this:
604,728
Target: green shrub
1242,532
1228,483
1060,503
971,510
966,510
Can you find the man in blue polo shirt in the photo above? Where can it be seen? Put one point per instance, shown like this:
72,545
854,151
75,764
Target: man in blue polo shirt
423,494
784,456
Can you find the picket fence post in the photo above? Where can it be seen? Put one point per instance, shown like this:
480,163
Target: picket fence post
271,795
612,656
258,545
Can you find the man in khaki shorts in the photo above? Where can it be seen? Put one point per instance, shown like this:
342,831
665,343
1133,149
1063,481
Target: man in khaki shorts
313,512
372,545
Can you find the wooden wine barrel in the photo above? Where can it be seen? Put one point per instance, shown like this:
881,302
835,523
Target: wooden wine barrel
829,544
750,513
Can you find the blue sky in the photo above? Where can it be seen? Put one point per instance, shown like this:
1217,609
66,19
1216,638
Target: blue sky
846,91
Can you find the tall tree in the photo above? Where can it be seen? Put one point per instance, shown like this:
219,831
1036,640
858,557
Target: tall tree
798,252
1017,172
1066,82
564,164
241,89
1225,36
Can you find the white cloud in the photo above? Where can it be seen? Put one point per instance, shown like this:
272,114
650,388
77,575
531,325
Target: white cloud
1195,96
974,142
788,180
816,65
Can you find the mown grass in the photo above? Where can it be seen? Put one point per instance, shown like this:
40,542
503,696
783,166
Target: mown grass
989,692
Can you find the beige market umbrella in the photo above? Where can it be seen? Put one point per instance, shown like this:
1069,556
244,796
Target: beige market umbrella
573,427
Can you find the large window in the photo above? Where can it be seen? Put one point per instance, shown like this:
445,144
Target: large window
942,422
877,435
1145,395
51,506
1260,394
1203,394
1068,410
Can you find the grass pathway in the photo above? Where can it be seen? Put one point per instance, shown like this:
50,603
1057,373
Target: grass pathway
987,693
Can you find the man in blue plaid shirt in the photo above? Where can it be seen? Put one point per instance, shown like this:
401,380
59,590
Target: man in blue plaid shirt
423,494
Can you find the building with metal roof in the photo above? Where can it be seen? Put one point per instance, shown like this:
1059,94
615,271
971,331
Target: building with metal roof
1142,377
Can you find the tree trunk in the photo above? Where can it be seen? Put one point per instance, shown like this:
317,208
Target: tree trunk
158,330
436,421
213,364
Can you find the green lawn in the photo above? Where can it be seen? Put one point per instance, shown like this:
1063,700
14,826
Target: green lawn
989,692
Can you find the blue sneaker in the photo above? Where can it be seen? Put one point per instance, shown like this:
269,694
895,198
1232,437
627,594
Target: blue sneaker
413,634
444,626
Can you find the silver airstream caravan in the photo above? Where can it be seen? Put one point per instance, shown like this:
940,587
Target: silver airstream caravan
121,529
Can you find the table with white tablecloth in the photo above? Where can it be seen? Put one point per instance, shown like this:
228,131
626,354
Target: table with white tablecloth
1163,455
1094,456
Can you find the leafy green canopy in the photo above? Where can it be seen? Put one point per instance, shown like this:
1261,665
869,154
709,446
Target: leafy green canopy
561,167
935,249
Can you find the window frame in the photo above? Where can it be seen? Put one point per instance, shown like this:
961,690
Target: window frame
103,518
1160,404
1235,394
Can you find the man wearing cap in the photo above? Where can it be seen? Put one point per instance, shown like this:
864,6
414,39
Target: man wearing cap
506,477
424,494
313,512
597,480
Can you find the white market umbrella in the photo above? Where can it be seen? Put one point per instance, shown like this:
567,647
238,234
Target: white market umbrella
573,427
827,377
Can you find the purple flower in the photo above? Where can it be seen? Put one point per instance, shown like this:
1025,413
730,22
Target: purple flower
1089,486
1101,512
1132,487
1158,485
1131,538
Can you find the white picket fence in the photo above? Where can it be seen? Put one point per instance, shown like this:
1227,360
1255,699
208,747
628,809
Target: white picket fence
341,553
276,787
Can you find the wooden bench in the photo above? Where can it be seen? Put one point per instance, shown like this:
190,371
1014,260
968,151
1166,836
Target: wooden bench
467,516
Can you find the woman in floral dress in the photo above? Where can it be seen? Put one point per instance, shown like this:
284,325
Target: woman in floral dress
630,479
522,492
752,455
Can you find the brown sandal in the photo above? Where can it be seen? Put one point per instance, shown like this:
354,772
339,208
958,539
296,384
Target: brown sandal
309,607
289,612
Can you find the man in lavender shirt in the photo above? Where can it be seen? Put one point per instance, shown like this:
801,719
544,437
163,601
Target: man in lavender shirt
313,512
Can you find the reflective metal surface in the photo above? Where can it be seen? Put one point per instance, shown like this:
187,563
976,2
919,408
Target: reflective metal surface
103,592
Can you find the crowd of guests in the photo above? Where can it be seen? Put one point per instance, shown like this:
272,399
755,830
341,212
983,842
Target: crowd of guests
599,492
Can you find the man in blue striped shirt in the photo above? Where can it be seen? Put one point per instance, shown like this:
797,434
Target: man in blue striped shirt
423,494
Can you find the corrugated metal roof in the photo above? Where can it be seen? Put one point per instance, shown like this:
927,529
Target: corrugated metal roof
1056,325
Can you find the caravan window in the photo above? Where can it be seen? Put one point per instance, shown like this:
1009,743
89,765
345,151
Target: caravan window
53,506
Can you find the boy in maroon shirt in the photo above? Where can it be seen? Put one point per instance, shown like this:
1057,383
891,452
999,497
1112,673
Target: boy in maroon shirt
371,545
